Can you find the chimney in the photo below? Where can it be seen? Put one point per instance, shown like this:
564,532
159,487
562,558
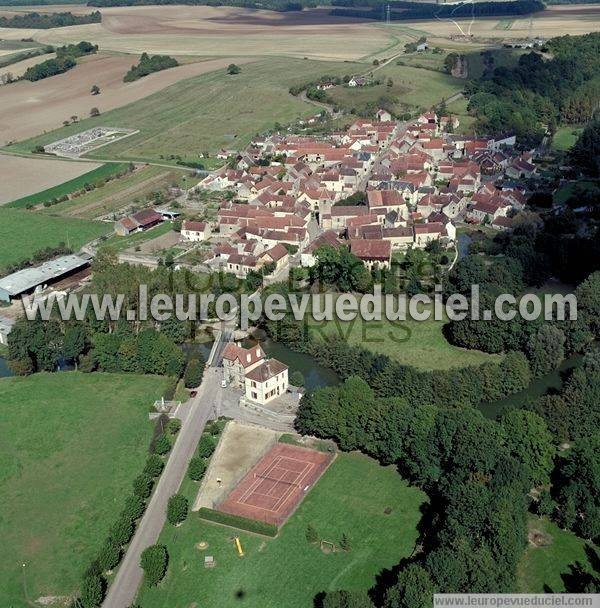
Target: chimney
248,357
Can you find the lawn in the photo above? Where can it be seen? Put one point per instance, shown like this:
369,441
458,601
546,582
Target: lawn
417,343
120,243
22,233
208,112
71,445
541,568
68,187
287,571
565,137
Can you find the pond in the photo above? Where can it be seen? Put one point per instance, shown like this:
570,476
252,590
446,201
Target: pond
4,369
315,375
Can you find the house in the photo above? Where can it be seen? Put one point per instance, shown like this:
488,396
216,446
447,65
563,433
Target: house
194,231
329,237
372,252
277,255
383,115
520,168
422,47
425,233
266,381
238,361
142,220
241,265
357,81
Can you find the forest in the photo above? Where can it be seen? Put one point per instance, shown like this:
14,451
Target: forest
46,21
538,93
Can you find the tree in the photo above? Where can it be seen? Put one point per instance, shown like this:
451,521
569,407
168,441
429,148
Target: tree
312,536
193,374
142,485
122,531
154,561
174,426
347,599
75,342
162,445
92,592
134,507
154,465
196,468
177,509
94,112
95,90
109,556
233,69
530,442
546,349
414,589
297,378
206,446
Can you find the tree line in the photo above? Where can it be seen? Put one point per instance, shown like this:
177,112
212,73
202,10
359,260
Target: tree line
45,21
149,64
64,61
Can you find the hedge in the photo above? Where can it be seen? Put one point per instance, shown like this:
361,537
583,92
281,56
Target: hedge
235,521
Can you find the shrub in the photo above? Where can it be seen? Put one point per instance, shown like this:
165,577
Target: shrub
92,592
235,521
174,426
297,378
193,374
134,507
154,466
177,509
109,555
142,485
196,468
206,446
233,69
312,536
154,562
162,445
122,531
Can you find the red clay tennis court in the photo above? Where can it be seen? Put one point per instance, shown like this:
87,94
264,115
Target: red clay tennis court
276,485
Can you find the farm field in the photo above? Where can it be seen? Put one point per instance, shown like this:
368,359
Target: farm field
17,244
68,186
51,101
542,567
208,112
341,502
118,193
72,444
222,31
418,343
19,66
22,176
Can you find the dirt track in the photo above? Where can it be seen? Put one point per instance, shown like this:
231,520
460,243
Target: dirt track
47,103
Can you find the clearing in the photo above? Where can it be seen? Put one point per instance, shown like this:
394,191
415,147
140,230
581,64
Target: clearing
72,445
342,502
51,101
22,176
22,233
566,137
548,557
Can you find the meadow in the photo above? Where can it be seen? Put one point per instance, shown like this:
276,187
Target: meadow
22,233
350,498
542,567
565,137
207,112
72,444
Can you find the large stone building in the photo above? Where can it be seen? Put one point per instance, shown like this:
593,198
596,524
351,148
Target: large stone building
238,361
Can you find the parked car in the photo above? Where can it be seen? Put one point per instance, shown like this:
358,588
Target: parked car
193,393
223,383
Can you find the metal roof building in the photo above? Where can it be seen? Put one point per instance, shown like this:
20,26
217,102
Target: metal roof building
26,280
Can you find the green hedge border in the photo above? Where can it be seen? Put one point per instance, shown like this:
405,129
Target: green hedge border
235,521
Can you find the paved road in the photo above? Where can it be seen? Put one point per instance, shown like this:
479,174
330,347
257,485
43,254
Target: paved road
123,591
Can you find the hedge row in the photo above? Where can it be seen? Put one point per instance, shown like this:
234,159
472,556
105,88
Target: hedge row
235,521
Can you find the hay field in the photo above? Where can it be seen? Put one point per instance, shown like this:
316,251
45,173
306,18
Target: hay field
47,103
208,112
221,31
21,176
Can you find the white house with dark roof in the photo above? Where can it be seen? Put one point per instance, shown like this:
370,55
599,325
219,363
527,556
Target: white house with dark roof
267,381
238,361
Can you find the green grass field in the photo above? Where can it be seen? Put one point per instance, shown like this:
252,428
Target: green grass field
120,243
71,446
207,112
68,187
417,343
22,233
288,571
565,137
541,568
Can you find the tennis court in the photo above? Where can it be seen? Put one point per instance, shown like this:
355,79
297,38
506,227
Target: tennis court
276,485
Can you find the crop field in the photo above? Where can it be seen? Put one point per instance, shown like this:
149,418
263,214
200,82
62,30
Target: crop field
67,187
119,193
222,31
49,102
288,566
22,233
208,112
72,444
22,176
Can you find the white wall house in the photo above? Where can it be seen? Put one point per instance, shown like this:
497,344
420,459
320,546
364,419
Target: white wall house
267,381
194,231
